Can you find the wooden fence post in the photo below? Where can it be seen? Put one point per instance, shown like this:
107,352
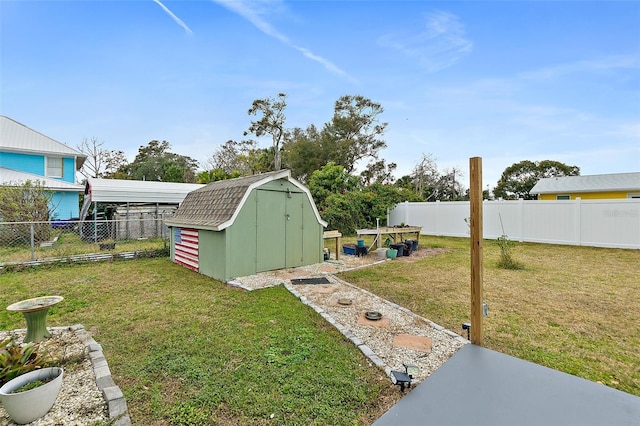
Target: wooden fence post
475,198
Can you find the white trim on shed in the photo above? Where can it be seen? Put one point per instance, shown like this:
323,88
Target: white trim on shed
283,174
259,180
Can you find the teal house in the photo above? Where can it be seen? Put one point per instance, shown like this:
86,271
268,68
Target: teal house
243,226
26,154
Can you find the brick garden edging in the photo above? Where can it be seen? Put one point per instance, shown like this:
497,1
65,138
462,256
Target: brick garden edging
113,396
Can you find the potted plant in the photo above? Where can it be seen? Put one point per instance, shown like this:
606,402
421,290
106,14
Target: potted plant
27,390
31,395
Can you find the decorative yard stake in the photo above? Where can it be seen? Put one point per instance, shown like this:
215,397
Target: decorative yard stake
475,198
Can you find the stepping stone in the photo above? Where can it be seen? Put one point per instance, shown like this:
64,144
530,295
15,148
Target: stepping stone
381,323
323,289
410,341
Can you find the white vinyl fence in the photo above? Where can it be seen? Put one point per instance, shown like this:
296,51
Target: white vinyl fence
598,223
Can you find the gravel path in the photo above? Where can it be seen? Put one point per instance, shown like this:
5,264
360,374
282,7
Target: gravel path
400,337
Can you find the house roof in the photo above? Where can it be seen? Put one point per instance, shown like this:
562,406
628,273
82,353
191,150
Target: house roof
137,191
216,206
14,177
588,183
17,137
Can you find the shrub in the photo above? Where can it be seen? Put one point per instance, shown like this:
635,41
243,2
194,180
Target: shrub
16,359
506,260
26,202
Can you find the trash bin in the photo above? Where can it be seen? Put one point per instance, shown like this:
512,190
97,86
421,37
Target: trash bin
414,244
399,247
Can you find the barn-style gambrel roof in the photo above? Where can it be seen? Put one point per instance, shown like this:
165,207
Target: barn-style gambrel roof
588,183
216,206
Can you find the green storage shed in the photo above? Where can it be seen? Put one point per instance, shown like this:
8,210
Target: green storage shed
243,226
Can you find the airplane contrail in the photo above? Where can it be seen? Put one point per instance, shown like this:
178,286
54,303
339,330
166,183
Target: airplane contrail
174,17
252,12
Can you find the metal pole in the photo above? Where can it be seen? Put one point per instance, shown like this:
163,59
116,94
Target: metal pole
128,220
95,221
162,231
31,232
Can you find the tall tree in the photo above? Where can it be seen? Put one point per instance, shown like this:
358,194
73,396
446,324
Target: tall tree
303,152
100,162
379,172
271,123
330,179
425,177
94,165
156,163
115,162
353,135
354,132
518,179
234,157
215,175
449,186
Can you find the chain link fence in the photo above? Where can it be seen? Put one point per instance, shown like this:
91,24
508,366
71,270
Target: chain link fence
34,241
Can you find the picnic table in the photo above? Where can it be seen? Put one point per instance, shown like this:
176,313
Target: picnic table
396,233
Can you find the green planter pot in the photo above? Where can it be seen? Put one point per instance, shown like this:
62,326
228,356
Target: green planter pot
28,406
392,253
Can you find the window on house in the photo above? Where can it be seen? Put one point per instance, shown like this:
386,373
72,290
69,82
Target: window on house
563,197
54,167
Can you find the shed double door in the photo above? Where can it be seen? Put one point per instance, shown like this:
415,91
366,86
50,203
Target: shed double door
279,221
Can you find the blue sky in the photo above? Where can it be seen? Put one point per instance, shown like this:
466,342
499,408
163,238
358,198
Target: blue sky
507,81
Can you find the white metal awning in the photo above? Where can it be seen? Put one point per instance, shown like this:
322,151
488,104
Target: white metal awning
137,191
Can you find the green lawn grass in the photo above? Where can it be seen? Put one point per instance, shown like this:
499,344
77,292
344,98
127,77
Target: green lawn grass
574,309
186,349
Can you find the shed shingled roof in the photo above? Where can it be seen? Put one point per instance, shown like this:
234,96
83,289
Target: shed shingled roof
215,206
588,183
